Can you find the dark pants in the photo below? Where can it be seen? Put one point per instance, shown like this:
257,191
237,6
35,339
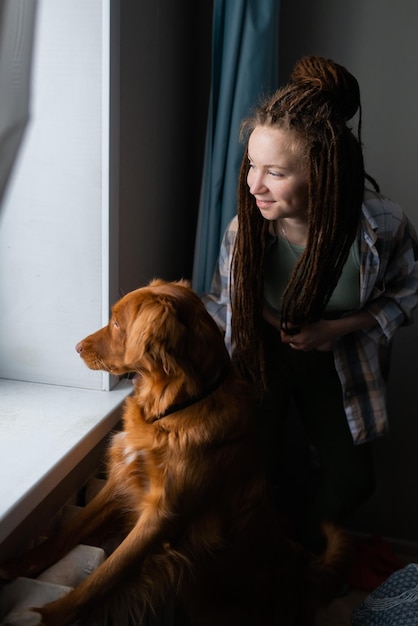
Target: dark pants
331,477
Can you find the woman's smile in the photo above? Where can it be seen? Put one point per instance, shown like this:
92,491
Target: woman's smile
264,204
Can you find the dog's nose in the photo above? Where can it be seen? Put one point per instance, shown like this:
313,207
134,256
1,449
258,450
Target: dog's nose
79,347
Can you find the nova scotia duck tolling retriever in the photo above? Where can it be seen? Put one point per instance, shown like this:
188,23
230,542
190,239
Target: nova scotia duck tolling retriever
185,489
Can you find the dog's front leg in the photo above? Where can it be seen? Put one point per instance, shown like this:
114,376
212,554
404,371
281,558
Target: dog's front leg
122,566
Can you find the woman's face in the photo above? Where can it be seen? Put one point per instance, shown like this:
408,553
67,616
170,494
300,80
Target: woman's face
277,178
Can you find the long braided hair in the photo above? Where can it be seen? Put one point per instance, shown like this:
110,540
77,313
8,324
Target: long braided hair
313,108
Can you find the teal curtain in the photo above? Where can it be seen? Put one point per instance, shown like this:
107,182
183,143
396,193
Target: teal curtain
244,68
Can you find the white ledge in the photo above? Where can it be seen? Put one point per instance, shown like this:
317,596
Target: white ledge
45,431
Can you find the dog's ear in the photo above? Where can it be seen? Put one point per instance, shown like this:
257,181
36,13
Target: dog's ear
155,338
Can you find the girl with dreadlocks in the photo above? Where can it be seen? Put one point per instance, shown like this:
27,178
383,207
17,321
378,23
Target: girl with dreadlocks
315,274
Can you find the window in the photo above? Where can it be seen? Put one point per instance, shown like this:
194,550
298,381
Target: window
55,239
58,263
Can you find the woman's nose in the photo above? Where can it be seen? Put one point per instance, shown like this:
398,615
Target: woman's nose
256,182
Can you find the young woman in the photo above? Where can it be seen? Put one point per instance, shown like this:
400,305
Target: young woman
315,275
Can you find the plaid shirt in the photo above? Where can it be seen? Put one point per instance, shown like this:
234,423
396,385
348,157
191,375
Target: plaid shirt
388,290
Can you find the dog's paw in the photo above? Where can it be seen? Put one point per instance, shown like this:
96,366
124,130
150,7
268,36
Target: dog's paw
23,618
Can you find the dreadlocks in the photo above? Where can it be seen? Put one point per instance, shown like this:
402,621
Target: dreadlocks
313,108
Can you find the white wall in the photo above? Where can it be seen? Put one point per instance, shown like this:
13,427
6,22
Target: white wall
376,40
55,266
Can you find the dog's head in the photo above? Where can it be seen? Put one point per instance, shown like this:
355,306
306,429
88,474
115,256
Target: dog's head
162,329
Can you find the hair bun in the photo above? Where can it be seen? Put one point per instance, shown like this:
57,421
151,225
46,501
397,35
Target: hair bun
330,80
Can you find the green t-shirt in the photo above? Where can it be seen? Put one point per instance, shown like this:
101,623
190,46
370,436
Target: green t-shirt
280,261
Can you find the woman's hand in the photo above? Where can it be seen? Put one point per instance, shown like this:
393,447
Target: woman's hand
318,336
322,334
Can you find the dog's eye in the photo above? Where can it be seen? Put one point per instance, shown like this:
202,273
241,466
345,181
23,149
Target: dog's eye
115,324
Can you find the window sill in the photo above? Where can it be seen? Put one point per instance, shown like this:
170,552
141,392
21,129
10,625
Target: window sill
46,432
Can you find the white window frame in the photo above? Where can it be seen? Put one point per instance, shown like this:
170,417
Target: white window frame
58,260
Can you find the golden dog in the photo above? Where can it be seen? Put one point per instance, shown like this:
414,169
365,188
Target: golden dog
185,484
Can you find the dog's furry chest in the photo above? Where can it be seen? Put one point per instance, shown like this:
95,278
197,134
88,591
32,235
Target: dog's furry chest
134,464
